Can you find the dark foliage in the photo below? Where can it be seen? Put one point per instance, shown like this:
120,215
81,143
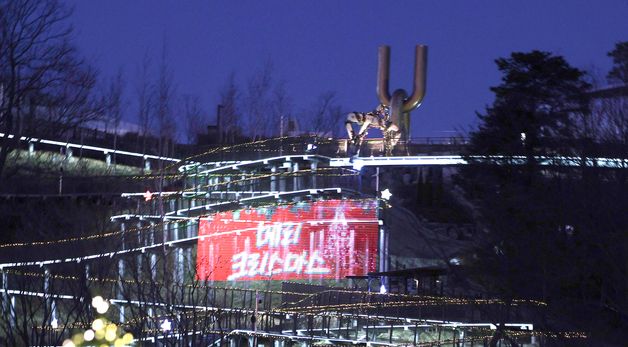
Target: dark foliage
619,72
551,232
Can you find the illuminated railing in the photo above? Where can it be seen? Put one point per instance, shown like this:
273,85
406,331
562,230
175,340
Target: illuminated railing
107,152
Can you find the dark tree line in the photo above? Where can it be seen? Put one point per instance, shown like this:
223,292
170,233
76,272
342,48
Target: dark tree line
555,233
48,90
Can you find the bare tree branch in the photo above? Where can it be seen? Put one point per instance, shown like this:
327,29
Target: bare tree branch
45,88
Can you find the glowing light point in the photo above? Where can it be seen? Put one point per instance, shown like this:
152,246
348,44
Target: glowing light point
110,332
358,164
382,289
127,338
166,325
100,304
103,307
54,323
148,195
98,324
89,335
96,301
68,343
386,194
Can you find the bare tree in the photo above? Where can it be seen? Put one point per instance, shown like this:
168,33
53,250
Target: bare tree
115,105
616,112
281,110
257,101
39,69
195,117
145,100
164,106
325,114
607,122
229,113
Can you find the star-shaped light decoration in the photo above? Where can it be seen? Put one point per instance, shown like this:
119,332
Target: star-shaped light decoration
166,325
386,194
148,195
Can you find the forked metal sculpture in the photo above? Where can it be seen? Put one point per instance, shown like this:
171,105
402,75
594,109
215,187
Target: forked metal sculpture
392,116
400,104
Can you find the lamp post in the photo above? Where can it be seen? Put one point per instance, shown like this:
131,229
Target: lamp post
383,197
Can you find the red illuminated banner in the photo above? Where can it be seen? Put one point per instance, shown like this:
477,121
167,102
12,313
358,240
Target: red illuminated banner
308,240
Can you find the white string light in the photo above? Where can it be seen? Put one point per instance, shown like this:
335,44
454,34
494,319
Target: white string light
92,148
142,249
358,163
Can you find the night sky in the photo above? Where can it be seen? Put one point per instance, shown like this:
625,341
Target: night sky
324,45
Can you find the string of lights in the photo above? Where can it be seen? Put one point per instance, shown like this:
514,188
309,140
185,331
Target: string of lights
42,263
269,175
367,296
202,190
417,300
86,237
255,200
153,282
218,311
92,148
128,231
394,304
125,251
255,145
206,168
318,171
475,336
198,311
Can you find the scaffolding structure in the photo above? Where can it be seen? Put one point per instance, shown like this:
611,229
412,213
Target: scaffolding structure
146,270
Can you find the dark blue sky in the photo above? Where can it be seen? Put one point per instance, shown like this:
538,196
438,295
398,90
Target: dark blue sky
332,45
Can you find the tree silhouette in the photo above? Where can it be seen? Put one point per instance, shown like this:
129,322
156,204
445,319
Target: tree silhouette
549,232
43,84
619,72
533,106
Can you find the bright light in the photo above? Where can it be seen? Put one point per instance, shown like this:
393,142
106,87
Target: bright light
166,325
103,307
54,323
455,261
100,304
386,194
96,301
98,324
382,289
78,339
100,334
148,195
127,338
68,343
110,332
89,335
